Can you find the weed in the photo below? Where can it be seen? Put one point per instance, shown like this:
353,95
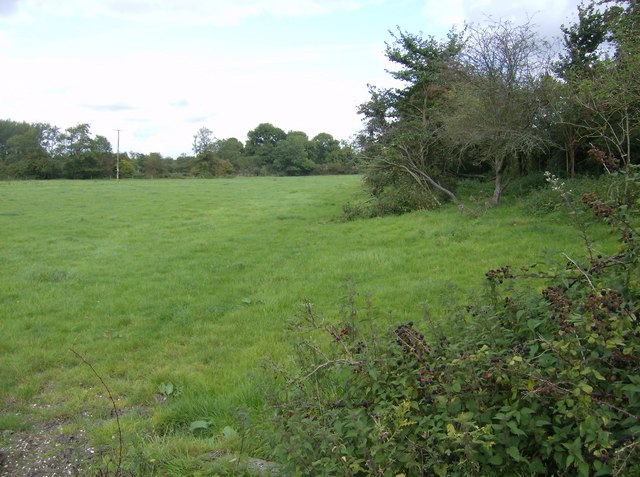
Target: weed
105,471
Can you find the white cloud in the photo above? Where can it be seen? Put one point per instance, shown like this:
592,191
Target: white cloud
216,12
548,15
147,67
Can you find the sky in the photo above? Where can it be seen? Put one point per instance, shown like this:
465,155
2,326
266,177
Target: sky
159,70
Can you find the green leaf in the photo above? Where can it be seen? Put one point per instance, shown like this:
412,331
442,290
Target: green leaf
229,432
199,425
583,469
440,469
166,389
514,453
514,429
533,324
570,460
542,421
586,388
602,469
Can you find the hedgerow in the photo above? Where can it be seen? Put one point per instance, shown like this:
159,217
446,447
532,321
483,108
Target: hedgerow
538,376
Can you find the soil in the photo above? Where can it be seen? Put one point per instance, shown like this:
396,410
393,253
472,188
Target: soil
48,451
44,452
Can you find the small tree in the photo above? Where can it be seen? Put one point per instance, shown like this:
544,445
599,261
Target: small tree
402,141
203,141
495,104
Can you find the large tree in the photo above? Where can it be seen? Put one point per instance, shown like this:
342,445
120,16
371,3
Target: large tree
28,150
323,147
85,157
291,155
261,143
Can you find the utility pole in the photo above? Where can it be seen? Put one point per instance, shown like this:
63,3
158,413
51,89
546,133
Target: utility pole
118,157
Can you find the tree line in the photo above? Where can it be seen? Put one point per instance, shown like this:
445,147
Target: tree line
43,151
493,102
496,102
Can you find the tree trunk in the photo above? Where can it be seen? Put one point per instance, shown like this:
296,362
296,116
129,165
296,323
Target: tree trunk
498,188
419,175
570,154
499,185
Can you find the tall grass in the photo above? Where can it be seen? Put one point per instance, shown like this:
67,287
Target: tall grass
191,282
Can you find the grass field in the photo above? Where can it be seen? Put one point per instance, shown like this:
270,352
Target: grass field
191,283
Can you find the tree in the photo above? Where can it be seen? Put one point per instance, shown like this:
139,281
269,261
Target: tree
604,88
27,150
261,142
583,42
84,157
26,158
263,135
495,103
230,150
323,146
204,142
561,120
49,137
402,140
291,155
127,166
331,156
231,158
153,165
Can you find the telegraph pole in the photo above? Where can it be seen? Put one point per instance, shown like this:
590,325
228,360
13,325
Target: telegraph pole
118,157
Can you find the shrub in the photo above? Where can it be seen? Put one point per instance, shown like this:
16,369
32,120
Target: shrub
524,185
539,376
545,200
393,200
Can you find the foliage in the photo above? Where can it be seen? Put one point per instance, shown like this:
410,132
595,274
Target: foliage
541,201
203,141
292,156
538,377
394,198
582,42
41,151
402,140
497,101
491,102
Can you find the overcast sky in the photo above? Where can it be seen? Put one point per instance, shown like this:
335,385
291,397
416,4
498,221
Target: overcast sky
161,69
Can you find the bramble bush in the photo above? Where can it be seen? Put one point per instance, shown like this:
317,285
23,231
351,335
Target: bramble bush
539,376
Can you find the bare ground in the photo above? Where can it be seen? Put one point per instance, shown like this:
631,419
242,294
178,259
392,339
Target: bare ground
44,451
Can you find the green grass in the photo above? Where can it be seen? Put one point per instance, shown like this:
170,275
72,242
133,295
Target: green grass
191,282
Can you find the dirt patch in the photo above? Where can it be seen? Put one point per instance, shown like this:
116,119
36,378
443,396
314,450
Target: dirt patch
253,466
45,451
